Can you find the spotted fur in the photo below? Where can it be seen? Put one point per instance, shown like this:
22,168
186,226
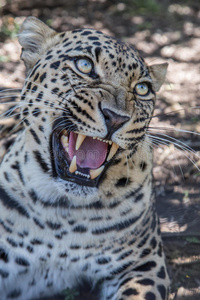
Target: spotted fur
54,232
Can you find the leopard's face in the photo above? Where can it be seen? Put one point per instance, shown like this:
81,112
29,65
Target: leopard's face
88,101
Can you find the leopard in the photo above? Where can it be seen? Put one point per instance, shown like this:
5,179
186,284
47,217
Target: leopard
76,185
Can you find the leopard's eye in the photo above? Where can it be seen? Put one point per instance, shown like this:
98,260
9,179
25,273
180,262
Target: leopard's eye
84,65
142,89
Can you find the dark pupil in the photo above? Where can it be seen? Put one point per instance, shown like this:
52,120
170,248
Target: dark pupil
85,64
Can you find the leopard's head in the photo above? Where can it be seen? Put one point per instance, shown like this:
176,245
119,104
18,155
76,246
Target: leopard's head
88,101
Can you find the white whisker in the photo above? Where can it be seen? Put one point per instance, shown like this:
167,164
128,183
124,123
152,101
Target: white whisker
177,146
158,145
179,143
173,112
174,129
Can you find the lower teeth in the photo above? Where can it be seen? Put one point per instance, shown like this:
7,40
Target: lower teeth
84,175
93,173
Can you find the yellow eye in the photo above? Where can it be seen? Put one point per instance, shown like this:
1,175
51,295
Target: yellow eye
142,89
84,65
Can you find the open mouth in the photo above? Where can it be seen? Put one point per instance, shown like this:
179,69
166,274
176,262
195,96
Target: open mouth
81,159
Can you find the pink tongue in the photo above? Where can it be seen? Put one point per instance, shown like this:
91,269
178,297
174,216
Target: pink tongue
91,154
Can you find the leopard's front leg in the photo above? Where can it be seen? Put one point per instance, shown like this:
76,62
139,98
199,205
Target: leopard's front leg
148,281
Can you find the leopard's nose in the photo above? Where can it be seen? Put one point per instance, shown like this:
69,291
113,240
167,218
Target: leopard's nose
113,121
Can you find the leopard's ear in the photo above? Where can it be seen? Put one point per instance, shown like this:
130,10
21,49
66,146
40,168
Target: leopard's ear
35,37
158,73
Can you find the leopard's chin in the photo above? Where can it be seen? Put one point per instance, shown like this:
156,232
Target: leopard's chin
79,158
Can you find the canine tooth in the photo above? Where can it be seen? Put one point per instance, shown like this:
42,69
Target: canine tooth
96,172
73,166
112,152
110,142
65,141
79,140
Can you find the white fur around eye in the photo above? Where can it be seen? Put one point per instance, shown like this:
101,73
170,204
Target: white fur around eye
84,65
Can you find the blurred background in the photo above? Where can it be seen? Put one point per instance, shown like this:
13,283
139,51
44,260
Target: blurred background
162,31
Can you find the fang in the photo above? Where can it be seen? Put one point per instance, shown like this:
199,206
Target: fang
73,166
96,172
65,142
112,152
79,140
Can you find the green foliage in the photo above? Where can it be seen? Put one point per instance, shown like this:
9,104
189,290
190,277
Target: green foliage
4,58
10,27
70,294
143,6
49,22
193,239
186,196
144,26
147,6
194,119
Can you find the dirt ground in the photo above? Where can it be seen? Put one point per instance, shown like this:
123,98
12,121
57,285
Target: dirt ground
162,31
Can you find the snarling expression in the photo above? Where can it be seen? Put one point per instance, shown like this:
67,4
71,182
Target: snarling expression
97,94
